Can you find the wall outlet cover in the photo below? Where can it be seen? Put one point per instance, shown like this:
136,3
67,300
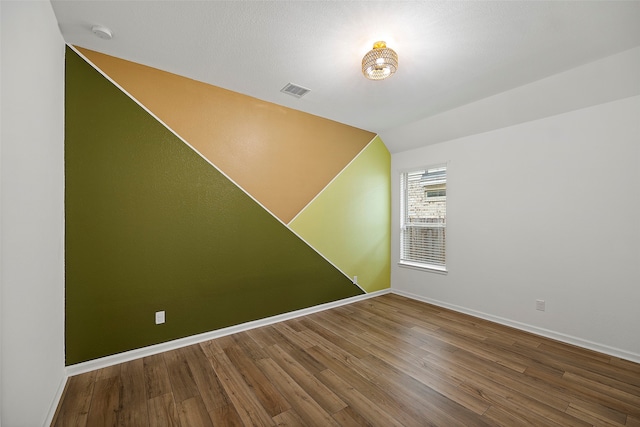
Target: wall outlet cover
159,317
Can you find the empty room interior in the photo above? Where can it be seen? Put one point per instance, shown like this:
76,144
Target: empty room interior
221,213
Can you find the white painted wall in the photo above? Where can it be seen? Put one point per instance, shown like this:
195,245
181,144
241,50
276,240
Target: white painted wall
547,209
32,215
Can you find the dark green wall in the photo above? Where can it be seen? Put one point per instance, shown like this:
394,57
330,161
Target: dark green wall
150,226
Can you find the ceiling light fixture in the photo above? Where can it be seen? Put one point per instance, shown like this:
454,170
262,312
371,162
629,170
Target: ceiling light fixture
380,62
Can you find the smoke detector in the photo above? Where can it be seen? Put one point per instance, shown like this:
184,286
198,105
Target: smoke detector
102,32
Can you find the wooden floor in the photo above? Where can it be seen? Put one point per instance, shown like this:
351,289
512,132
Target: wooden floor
385,361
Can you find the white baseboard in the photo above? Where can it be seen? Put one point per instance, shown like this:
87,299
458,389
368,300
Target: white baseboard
126,356
56,401
558,336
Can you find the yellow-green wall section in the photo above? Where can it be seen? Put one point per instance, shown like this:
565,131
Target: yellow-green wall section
349,222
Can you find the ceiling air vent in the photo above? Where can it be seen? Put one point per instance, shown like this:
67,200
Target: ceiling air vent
295,90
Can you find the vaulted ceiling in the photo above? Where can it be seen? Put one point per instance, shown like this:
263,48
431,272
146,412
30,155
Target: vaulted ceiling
450,53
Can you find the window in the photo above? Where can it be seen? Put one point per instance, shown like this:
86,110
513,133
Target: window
424,218
436,193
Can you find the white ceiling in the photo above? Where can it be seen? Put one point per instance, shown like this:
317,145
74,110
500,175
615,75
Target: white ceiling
450,53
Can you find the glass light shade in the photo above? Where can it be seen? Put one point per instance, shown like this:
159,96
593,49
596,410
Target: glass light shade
380,62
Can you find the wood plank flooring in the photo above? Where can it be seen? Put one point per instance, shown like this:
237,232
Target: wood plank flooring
386,361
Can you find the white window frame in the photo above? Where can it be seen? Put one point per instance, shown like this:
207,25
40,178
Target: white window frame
436,257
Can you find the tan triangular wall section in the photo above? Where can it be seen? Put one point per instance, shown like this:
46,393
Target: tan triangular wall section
282,157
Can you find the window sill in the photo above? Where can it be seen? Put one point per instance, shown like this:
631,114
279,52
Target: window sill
423,267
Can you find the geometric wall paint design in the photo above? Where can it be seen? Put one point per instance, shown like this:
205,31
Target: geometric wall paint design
151,225
282,157
348,221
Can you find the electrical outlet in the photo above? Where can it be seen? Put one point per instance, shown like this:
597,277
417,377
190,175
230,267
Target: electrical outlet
159,317
540,305
355,279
